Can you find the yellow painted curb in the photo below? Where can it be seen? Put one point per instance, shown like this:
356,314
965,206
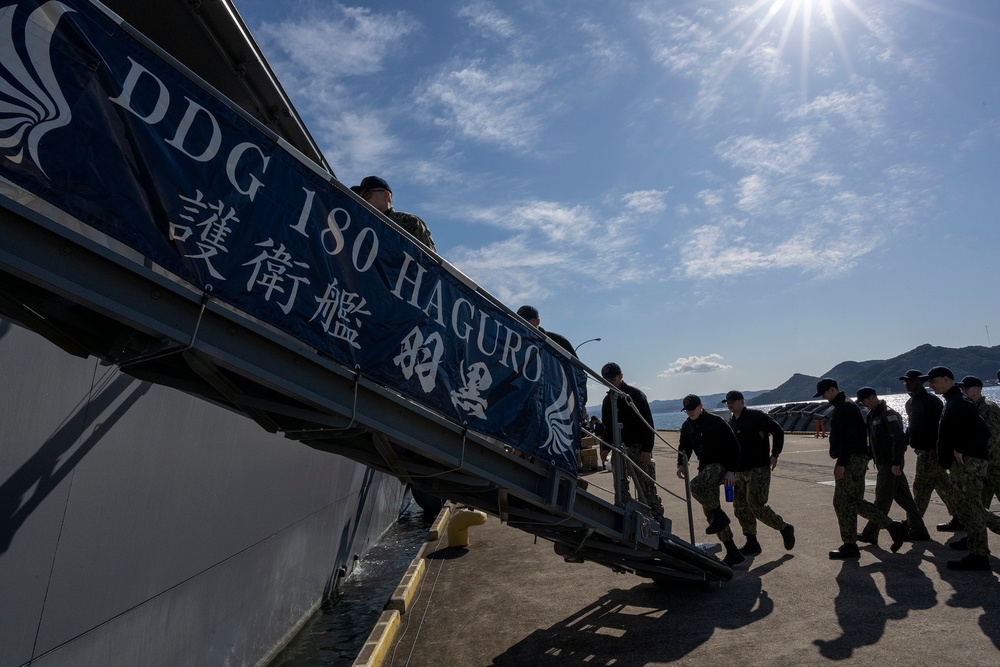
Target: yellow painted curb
384,633
379,641
438,527
407,589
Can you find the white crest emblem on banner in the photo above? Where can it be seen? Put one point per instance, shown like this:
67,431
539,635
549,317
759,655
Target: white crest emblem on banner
31,102
559,419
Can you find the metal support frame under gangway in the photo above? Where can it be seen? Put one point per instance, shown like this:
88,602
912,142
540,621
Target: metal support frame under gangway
90,300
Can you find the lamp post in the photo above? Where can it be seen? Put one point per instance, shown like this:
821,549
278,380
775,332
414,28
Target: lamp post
591,340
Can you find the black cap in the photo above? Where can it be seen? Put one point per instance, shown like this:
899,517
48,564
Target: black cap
939,372
374,183
970,381
691,401
866,392
528,312
823,385
912,374
611,370
732,396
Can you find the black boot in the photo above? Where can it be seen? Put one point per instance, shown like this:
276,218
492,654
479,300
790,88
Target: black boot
898,530
960,545
752,547
845,551
719,521
788,536
733,555
951,526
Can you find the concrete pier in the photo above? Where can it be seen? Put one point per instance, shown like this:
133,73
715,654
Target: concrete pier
507,600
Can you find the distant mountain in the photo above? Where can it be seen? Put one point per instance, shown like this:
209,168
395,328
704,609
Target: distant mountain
711,401
883,374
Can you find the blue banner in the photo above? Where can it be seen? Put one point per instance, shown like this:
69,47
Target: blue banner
115,136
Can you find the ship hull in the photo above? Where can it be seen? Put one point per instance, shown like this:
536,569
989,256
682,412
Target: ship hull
142,525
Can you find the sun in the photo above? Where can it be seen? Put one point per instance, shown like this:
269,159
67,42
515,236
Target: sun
796,16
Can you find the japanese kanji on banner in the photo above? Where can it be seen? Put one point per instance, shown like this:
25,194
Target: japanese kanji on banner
113,135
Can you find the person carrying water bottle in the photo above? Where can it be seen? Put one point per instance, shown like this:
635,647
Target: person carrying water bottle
761,440
710,438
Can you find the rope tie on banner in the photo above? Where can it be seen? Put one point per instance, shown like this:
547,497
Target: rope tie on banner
174,350
461,460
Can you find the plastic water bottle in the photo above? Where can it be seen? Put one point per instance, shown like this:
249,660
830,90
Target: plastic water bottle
729,494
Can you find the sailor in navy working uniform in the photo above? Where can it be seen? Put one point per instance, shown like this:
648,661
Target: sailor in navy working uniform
758,457
849,446
710,438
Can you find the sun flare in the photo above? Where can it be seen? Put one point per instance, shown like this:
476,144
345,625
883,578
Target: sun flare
794,20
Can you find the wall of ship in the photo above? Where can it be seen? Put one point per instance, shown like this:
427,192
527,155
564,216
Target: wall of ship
142,526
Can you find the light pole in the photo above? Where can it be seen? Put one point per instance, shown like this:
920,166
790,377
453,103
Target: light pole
591,340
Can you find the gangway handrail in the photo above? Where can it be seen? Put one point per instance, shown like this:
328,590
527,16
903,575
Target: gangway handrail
159,308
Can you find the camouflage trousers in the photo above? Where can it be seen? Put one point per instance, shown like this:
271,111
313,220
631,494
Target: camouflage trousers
991,485
930,476
705,489
967,493
849,501
647,487
750,500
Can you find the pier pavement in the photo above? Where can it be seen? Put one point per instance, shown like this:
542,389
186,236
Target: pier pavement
509,600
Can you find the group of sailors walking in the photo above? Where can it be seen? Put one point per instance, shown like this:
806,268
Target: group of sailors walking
956,442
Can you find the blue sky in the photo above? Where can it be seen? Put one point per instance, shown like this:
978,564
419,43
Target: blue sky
725,192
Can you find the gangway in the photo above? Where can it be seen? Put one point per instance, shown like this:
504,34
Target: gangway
106,202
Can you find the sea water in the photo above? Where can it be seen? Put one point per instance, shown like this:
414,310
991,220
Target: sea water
671,421
336,633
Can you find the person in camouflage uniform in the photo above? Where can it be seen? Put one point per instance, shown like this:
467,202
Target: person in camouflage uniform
710,438
758,457
887,447
637,436
990,412
848,445
923,413
376,191
961,448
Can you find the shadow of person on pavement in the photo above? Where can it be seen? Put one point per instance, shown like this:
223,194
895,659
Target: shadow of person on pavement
644,624
974,590
863,612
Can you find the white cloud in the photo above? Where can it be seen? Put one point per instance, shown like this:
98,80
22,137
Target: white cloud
645,202
759,154
609,55
503,105
694,364
363,141
553,245
515,269
862,109
353,42
320,57
488,20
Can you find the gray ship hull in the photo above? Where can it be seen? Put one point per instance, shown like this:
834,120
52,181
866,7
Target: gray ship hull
142,526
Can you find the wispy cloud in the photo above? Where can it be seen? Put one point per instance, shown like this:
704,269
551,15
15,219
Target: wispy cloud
488,20
498,104
554,244
322,60
646,201
862,108
710,363
341,42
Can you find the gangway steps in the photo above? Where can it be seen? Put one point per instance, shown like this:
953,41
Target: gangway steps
91,300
